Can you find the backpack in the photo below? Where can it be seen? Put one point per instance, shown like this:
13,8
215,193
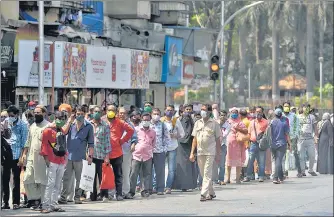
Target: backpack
174,119
59,147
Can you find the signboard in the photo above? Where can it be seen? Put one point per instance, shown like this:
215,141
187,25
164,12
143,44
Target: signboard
7,49
85,66
140,69
28,67
26,32
188,70
172,62
108,67
155,67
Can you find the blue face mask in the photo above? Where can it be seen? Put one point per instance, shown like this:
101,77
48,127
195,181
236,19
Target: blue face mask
12,119
234,116
80,118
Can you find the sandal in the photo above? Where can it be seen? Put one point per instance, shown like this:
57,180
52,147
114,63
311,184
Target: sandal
58,209
45,211
203,199
15,207
210,197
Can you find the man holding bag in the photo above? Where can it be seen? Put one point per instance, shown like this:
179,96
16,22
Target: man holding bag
80,135
102,148
256,129
54,151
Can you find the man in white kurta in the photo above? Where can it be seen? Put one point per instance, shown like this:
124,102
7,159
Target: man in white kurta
35,176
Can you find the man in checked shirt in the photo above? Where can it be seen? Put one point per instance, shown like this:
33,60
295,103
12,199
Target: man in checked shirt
102,148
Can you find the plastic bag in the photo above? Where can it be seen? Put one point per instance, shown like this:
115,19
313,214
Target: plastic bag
108,177
247,158
87,176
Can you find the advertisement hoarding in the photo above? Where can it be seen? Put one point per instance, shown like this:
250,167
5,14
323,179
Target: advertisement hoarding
85,66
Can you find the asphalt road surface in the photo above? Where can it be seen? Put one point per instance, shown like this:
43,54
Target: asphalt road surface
308,196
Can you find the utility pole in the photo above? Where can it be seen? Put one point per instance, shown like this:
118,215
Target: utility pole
186,87
41,53
221,38
321,59
221,71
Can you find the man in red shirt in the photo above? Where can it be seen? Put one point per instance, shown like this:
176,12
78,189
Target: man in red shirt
118,128
54,151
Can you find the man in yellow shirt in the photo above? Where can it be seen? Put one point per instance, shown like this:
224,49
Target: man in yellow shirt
244,119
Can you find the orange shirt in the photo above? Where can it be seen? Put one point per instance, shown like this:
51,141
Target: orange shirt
261,126
117,129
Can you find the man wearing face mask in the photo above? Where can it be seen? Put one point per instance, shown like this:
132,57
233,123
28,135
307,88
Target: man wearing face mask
128,147
80,137
142,157
102,149
280,141
176,132
256,130
19,133
54,151
120,132
294,133
206,140
186,171
306,140
135,118
148,107
163,139
31,106
35,177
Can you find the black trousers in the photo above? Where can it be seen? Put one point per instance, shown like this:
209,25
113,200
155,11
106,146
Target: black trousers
98,174
8,168
116,164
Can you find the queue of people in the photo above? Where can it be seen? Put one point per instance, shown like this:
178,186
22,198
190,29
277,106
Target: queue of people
199,148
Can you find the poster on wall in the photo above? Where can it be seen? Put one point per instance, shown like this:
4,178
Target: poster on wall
28,65
108,67
188,70
26,32
140,69
74,65
172,62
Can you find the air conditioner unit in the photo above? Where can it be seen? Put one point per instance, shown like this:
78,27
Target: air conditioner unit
157,27
169,31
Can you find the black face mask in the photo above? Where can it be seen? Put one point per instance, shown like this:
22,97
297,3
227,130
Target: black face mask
39,118
136,121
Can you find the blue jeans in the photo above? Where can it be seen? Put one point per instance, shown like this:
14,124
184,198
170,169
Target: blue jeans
260,156
171,157
277,155
221,175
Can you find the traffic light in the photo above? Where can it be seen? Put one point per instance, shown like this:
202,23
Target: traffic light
214,67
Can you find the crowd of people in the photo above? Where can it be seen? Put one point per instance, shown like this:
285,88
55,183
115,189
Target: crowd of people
198,147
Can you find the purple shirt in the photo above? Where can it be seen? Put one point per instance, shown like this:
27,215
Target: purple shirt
279,130
145,145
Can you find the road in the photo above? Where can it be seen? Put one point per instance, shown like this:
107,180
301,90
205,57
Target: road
308,196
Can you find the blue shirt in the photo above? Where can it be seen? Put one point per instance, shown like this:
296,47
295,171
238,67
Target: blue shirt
279,130
126,147
77,141
18,138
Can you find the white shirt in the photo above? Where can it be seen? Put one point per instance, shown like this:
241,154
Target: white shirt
178,129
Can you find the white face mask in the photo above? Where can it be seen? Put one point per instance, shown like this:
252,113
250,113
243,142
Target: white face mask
156,118
146,123
203,114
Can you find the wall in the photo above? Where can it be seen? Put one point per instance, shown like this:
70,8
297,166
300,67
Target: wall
10,10
128,9
157,91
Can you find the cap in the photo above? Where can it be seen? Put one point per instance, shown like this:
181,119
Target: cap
32,103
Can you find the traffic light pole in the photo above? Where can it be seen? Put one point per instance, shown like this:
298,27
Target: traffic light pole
221,68
221,38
